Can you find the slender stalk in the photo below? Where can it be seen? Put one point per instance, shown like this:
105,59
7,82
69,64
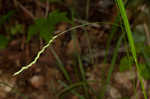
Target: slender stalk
114,30
72,91
85,85
45,47
131,41
114,58
60,65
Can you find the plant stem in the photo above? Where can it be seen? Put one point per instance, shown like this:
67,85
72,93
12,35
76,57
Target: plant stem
131,41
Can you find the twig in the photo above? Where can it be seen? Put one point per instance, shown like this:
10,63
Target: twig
85,22
25,10
47,8
39,3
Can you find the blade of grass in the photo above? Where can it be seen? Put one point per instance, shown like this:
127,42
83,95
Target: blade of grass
71,87
72,91
114,30
131,41
85,85
130,63
114,58
61,66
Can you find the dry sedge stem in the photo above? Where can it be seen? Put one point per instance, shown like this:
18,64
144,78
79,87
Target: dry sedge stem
46,46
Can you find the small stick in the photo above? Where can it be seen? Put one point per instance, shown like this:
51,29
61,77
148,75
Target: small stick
47,8
39,3
25,10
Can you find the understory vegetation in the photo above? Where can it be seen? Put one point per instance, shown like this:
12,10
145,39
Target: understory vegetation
74,49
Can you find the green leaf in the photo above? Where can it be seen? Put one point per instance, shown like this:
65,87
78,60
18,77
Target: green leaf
126,63
56,17
18,28
144,71
3,42
44,27
6,17
31,32
139,47
147,50
139,34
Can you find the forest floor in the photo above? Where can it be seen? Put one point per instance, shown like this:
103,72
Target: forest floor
85,45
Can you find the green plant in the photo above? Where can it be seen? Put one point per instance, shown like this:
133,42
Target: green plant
11,31
126,63
113,61
81,68
3,41
3,19
72,91
44,27
144,71
142,50
46,46
131,41
61,65
17,28
6,17
71,87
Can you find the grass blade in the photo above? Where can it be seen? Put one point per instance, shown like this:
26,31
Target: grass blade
60,65
114,58
131,41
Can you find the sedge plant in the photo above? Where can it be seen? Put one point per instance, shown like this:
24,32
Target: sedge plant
121,7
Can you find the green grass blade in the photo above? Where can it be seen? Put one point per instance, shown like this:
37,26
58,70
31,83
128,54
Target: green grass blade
72,86
131,41
85,85
114,58
61,66
81,68
114,30
72,91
